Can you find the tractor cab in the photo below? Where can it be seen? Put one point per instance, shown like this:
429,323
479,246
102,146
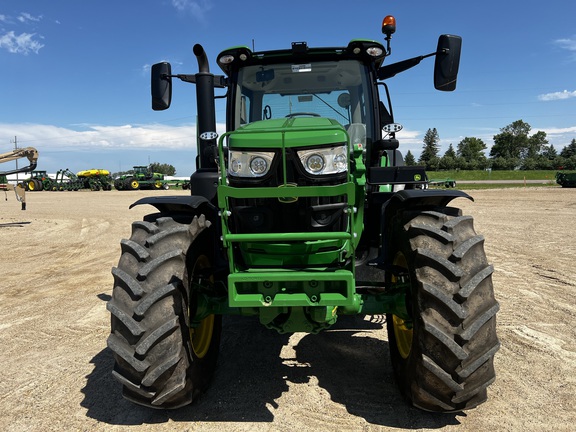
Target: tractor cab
312,88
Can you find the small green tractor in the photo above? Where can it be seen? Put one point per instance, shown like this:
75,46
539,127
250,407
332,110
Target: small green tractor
301,213
140,178
38,181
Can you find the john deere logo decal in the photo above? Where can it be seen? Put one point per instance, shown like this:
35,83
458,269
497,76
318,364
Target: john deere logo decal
417,177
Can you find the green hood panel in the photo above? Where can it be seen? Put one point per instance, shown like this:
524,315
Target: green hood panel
289,132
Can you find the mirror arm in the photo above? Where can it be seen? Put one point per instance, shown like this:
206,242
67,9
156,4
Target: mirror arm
220,81
395,68
183,77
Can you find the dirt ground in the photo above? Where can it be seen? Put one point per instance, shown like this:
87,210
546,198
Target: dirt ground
55,368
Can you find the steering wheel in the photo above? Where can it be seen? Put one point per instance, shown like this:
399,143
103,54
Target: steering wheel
303,114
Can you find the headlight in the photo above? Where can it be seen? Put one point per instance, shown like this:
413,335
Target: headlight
324,161
249,164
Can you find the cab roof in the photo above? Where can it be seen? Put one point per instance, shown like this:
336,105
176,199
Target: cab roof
366,51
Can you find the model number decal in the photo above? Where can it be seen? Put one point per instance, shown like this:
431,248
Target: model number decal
302,68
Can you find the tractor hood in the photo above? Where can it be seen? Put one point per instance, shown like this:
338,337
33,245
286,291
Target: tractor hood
289,132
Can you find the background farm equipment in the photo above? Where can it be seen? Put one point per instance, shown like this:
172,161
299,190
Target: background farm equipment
19,190
183,184
95,179
566,179
141,178
19,153
38,181
445,183
66,180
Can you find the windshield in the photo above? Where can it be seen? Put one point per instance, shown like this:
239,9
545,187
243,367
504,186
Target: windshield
337,90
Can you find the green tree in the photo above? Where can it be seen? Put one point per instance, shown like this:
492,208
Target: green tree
502,163
472,150
448,161
450,152
570,163
569,150
429,155
511,141
165,169
409,159
549,152
536,144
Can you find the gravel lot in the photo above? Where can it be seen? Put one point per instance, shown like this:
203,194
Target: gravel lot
55,366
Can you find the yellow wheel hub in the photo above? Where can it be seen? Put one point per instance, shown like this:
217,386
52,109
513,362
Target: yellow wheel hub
201,336
403,336
403,331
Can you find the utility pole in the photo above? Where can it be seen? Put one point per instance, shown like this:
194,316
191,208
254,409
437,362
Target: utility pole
16,148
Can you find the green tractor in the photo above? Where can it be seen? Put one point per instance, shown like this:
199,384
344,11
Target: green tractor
38,181
141,177
301,213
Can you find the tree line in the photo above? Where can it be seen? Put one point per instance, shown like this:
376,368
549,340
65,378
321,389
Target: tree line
514,148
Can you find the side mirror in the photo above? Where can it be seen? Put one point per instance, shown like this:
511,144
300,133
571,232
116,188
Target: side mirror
161,86
447,62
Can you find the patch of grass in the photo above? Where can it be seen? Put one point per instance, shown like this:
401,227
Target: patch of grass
481,175
478,186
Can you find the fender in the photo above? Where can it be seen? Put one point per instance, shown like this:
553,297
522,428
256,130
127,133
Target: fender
421,198
194,204
179,203
411,199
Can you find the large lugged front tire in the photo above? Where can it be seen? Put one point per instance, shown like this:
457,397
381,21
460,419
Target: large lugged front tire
163,358
443,355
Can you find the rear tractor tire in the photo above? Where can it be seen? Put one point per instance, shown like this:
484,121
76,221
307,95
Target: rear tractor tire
443,355
33,185
119,184
164,358
131,183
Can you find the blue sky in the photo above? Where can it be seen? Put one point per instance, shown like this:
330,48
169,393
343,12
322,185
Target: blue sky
74,75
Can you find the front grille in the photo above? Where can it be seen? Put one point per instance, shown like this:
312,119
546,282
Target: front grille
275,215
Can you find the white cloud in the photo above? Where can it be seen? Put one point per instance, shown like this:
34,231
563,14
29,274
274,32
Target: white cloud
112,147
24,17
93,137
559,131
567,43
24,43
557,95
406,136
196,7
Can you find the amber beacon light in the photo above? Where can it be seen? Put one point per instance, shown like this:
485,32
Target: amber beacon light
389,25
